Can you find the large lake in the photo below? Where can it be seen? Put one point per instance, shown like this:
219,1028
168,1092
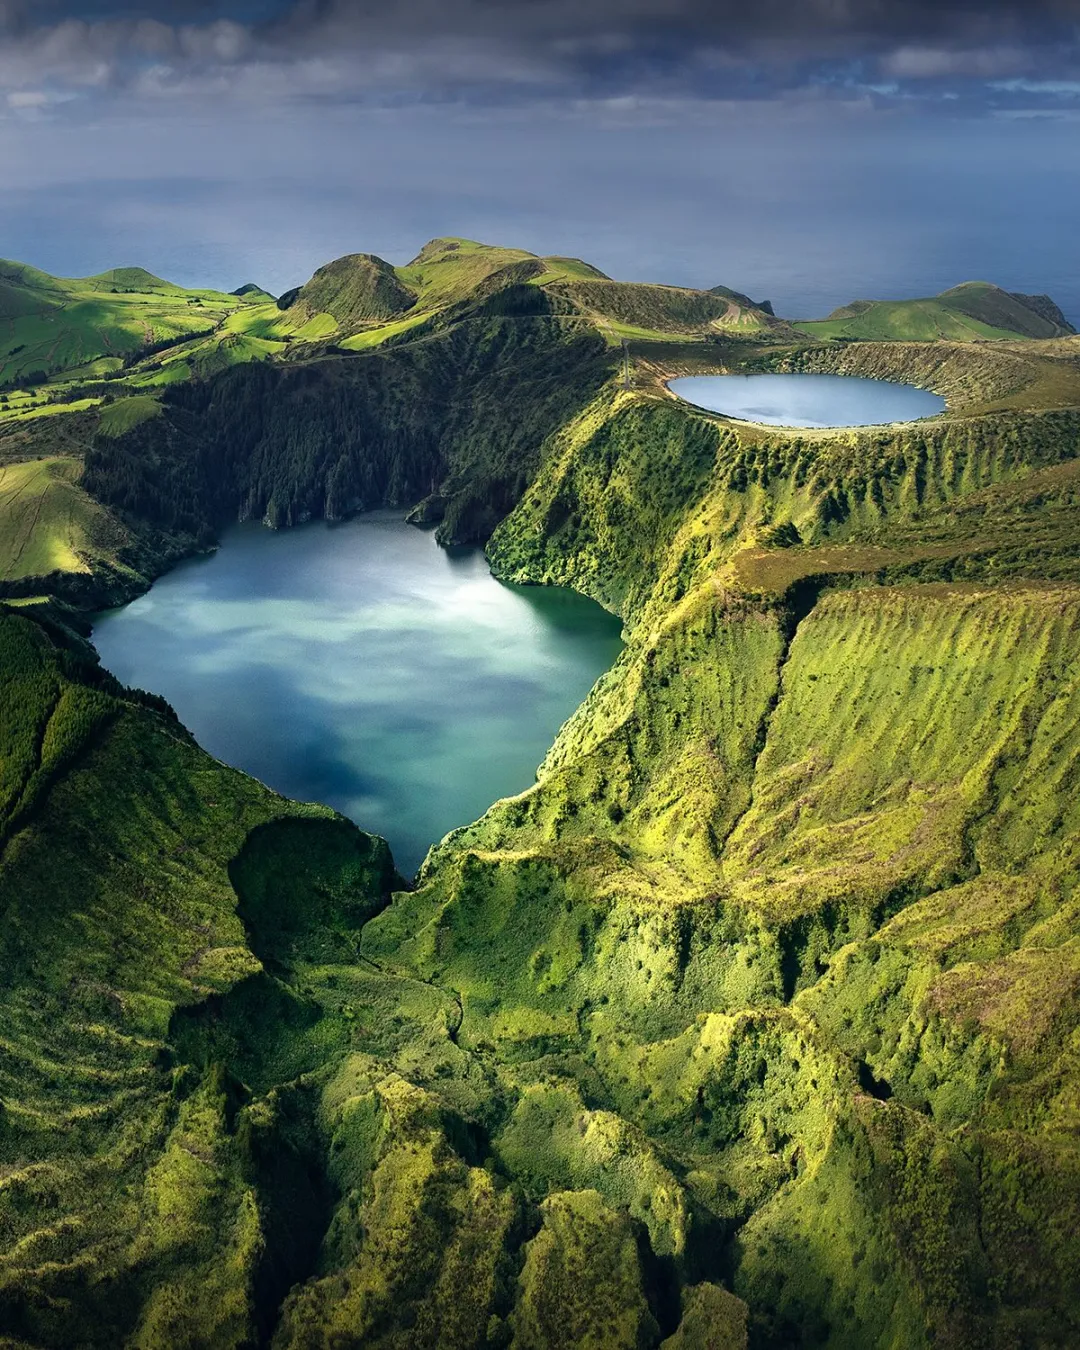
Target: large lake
808,400
363,666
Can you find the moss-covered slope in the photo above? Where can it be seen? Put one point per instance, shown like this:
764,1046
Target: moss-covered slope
789,913
133,1207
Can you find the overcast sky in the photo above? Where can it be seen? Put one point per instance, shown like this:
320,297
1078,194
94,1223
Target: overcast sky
809,151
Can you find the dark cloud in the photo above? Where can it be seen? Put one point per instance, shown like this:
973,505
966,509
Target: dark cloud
715,20
483,49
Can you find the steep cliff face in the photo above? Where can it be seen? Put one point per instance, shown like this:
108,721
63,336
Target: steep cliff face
791,905
458,417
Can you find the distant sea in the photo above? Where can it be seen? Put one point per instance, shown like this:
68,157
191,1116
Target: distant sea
785,205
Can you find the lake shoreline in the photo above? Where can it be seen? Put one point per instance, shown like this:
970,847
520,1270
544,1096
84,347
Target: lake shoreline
796,401
360,664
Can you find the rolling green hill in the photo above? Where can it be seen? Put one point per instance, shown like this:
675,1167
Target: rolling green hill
364,292
49,524
447,271
53,325
355,290
254,293
751,1025
975,311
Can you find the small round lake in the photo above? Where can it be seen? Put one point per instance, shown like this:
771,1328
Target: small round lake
808,400
363,666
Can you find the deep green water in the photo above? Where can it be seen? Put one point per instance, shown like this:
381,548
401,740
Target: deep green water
799,400
362,666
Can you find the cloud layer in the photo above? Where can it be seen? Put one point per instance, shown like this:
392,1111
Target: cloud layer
1006,56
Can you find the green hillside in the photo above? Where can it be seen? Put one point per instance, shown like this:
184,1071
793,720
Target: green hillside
975,311
57,325
364,292
132,1210
254,293
752,1025
637,309
742,300
131,280
447,271
49,524
358,289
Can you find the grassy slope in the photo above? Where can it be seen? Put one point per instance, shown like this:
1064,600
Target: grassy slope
51,324
48,524
447,271
56,539
356,289
975,311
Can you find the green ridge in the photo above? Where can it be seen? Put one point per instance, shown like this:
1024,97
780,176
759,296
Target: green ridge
58,326
975,311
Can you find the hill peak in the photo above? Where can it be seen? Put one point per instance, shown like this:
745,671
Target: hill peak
253,291
738,298
1034,316
442,247
354,289
130,279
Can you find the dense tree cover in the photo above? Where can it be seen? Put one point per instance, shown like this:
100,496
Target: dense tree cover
463,412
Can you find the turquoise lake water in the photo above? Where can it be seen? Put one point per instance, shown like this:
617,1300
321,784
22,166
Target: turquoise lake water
808,400
361,665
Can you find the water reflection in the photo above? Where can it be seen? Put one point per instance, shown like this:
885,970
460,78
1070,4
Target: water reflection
361,665
808,400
